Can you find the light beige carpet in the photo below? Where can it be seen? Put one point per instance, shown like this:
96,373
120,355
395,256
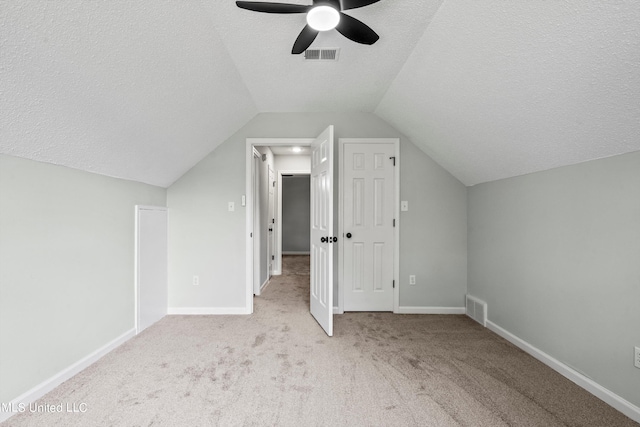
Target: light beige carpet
278,368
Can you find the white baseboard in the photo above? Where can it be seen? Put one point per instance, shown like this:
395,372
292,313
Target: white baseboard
430,310
336,310
206,310
46,386
296,253
609,397
265,284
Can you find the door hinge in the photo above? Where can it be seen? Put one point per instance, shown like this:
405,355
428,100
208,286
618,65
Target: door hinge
273,257
394,284
394,160
394,222
250,234
273,220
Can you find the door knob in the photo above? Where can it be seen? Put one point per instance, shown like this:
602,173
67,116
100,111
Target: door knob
334,239
324,239
348,235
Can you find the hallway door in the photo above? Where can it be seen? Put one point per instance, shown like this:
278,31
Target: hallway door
271,219
322,238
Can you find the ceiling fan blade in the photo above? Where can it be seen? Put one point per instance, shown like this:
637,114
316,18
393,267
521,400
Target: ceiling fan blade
260,6
354,4
304,40
333,3
356,30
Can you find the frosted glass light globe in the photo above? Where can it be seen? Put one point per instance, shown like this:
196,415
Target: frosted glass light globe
323,18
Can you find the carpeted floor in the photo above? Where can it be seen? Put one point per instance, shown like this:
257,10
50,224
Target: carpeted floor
278,368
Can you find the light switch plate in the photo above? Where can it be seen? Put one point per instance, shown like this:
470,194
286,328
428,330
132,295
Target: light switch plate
404,205
232,206
636,357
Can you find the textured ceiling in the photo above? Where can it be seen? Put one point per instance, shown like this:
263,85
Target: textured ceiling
490,89
496,89
141,90
260,45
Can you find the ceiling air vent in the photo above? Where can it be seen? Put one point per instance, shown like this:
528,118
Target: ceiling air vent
324,54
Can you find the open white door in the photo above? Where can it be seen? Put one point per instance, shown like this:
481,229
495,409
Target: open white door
271,218
322,230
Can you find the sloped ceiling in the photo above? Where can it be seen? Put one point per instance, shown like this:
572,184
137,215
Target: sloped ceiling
496,89
143,90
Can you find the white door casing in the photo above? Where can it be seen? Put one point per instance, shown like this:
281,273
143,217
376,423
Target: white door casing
255,242
321,278
151,294
368,220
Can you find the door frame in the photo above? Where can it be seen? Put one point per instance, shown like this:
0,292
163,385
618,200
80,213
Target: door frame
250,144
396,213
279,213
255,186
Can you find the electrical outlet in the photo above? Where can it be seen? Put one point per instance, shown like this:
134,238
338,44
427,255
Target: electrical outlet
636,358
196,280
404,205
232,206
412,279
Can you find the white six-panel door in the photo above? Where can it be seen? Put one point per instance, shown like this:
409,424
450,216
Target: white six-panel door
368,226
321,279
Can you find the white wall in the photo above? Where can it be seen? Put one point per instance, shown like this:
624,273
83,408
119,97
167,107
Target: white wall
293,163
206,239
66,267
556,255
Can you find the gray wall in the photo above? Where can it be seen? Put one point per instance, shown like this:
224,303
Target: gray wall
66,267
206,239
556,255
433,233
296,213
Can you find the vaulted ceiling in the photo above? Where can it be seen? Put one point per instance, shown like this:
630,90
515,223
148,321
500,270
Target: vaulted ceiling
489,89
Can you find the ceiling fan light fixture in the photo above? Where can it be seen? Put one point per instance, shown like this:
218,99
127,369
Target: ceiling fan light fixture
323,18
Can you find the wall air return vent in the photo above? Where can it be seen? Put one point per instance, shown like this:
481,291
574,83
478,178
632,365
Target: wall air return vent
477,310
323,54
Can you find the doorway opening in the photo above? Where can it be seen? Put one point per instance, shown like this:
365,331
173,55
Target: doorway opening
268,160
321,231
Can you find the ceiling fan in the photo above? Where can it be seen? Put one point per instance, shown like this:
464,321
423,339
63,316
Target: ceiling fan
322,15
